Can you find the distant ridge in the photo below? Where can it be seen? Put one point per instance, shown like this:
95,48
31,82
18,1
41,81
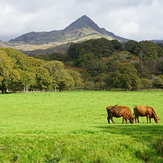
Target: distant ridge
157,41
86,22
81,29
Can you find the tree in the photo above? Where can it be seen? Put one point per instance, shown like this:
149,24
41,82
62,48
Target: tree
125,76
89,85
62,79
147,50
102,47
58,56
78,81
43,79
99,47
157,81
43,57
75,50
20,72
160,65
121,57
25,66
100,85
117,45
159,50
86,60
27,79
53,68
145,83
131,45
8,73
147,68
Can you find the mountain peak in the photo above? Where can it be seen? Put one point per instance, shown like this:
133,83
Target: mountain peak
82,22
84,17
81,29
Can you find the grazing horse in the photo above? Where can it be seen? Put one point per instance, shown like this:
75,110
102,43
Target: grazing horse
119,111
147,111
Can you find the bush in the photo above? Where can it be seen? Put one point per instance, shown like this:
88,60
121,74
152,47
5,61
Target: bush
158,81
145,83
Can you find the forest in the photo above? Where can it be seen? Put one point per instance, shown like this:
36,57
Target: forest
97,64
105,64
19,72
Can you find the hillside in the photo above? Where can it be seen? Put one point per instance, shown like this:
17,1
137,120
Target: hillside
102,63
80,30
99,64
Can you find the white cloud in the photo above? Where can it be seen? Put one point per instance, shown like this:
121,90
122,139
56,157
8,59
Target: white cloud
135,19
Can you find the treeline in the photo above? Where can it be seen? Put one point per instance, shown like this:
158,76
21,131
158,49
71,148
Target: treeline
97,64
105,64
19,72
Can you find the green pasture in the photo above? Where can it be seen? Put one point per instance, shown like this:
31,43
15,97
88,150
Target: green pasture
72,126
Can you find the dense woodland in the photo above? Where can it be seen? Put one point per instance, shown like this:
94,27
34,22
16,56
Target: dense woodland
107,65
19,72
97,64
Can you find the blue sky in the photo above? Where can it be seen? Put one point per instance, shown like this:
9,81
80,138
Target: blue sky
132,19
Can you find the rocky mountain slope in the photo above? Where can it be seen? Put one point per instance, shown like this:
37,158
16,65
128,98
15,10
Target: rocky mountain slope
80,30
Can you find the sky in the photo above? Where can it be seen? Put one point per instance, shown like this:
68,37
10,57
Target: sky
132,19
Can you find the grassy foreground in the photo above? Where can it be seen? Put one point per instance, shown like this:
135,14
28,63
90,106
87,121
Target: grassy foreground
72,127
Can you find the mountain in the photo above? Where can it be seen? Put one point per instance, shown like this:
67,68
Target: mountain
82,29
157,41
86,23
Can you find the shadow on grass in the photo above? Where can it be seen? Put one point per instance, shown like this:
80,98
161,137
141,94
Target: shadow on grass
151,134
133,129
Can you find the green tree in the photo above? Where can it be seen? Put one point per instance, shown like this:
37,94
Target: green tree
121,57
100,85
157,81
160,65
159,50
62,79
75,50
99,47
8,73
53,68
27,79
43,57
21,70
58,56
117,45
131,45
147,68
147,50
43,79
102,47
27,67
125,76
86,60
145,83
89,85
78,81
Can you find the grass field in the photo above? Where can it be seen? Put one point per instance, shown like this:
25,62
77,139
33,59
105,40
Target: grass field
72,127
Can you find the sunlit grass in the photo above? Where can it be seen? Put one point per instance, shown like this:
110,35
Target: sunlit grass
72,127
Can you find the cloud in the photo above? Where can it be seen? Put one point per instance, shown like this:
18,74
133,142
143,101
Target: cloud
140,20
135,19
